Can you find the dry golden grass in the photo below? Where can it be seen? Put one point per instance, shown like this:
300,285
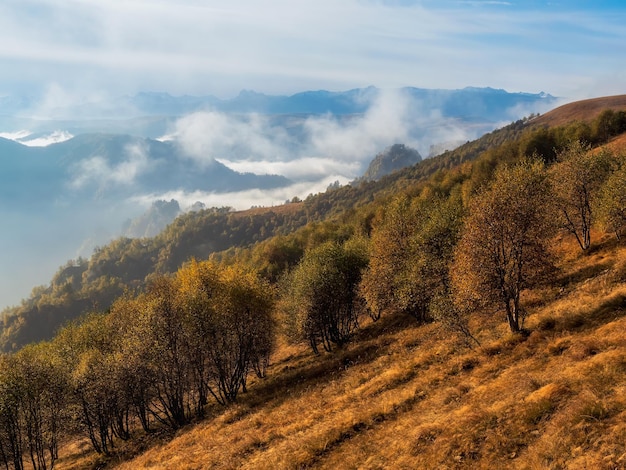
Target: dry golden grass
618,144
585,110
406,396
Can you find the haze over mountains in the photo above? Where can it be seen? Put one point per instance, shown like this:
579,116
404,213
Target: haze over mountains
470,102
74,175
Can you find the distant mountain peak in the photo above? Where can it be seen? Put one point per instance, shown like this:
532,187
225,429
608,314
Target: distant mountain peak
393,158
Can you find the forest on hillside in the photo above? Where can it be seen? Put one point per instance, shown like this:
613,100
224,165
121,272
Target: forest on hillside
193,312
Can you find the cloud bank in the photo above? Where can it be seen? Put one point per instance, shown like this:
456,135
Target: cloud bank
241,200
309,149
100,172
31,139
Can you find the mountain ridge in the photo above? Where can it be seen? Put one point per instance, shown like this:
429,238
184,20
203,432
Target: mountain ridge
354,101
582,110
165,166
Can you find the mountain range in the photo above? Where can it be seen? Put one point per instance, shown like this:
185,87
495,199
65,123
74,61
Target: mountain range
149,112
484,103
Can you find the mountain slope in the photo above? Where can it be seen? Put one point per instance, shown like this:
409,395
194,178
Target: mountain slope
407,396
128,262
585,110
401,393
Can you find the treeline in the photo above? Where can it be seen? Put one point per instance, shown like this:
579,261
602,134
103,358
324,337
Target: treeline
155,358
466,240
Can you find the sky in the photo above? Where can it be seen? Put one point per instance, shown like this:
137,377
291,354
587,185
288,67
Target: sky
72,49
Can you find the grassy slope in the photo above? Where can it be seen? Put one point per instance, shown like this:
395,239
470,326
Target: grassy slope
407,396
585,110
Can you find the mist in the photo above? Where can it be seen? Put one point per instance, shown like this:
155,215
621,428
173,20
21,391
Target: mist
309,148
34,244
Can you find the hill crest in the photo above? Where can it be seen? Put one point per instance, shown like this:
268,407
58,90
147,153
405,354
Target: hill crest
584,110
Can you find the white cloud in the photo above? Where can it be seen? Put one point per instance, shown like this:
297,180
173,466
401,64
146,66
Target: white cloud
208,135
301,169
386,122
98,170
17,135
307,148
48,139
242,200
284,46
25,137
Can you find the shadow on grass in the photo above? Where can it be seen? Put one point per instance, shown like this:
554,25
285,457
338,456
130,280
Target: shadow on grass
283,381
367,344
607,312
588,272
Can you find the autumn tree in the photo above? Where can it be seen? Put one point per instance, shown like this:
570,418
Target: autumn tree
608,124
541,142
132,356
411,248
504,246
436,240
277,255
11,420
164,334
577,178
321,300
387,283
228,327
611,203
43,399
88,350
250,302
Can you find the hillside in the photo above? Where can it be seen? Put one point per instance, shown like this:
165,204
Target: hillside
585,110
126,263
381,333
79,194
408,396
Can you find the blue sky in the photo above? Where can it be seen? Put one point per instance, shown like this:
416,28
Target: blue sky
70,49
